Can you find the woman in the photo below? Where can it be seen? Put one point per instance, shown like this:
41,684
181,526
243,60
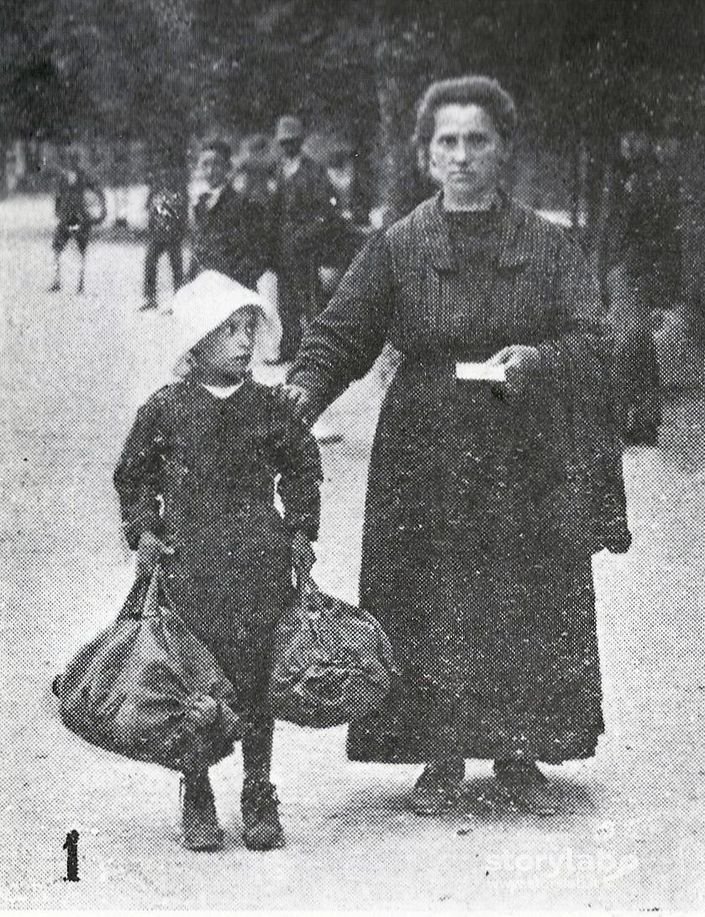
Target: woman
485,500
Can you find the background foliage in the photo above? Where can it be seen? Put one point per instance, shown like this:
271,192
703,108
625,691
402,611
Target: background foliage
583,71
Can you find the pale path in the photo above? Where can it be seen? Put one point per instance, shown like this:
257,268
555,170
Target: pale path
73,370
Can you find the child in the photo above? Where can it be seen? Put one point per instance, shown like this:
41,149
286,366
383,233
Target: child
196,482
167,208
73,218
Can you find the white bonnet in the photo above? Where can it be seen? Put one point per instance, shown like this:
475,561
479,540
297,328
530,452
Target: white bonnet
202,305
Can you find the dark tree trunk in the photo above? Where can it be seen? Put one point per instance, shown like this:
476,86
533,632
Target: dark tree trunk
396,169
691,159
3,168
597,203
576,180
405,63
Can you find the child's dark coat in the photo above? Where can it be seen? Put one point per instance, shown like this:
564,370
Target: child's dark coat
200,472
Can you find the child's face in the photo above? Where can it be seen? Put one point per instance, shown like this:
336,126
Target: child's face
225,353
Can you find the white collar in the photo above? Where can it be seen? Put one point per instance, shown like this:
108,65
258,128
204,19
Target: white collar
222,391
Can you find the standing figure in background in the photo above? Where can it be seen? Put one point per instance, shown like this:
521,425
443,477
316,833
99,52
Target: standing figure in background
304,215
230,233
350,205
644,278
255,170
74,216
167,208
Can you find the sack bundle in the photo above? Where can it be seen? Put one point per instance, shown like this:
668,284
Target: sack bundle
146,688
333,662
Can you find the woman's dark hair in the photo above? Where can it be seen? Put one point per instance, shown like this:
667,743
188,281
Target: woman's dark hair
466,90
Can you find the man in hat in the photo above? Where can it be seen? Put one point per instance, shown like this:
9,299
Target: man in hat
230,232
305,217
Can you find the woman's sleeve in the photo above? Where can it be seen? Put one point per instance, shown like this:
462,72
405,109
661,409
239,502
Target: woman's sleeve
577,366
138,476
343,342
298,460
579,354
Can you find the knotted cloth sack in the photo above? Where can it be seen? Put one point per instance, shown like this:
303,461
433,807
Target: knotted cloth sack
146,688
333,662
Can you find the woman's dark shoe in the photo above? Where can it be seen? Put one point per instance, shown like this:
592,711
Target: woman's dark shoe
260,817
523,784
438,787
201,830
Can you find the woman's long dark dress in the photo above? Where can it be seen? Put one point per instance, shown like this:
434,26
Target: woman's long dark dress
490,611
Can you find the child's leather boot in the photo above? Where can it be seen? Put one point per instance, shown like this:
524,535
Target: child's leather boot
260,818
201,830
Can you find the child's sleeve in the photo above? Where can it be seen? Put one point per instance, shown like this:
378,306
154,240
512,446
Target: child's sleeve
138,476
298,461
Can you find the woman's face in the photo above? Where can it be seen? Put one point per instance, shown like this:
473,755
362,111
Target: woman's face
466,153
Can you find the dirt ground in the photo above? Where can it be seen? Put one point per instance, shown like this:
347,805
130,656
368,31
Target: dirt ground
630,830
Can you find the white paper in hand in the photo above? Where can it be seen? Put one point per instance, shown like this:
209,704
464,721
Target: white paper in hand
481,372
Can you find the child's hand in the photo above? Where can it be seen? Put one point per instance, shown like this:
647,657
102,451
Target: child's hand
149,553
203,709
302,555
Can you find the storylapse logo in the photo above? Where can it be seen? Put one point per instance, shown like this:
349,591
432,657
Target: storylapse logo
562,866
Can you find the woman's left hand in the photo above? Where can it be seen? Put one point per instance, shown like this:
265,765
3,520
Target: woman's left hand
521,362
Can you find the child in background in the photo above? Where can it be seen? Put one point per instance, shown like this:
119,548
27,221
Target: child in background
73,219
197,481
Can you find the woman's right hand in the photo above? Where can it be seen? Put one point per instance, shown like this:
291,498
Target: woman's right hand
298,400
149,552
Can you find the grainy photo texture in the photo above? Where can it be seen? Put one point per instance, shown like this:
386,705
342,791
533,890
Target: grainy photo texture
353,474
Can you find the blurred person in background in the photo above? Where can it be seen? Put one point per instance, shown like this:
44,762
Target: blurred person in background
80,204
255,170
304,217
231,232
350,203
644,279
167,223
